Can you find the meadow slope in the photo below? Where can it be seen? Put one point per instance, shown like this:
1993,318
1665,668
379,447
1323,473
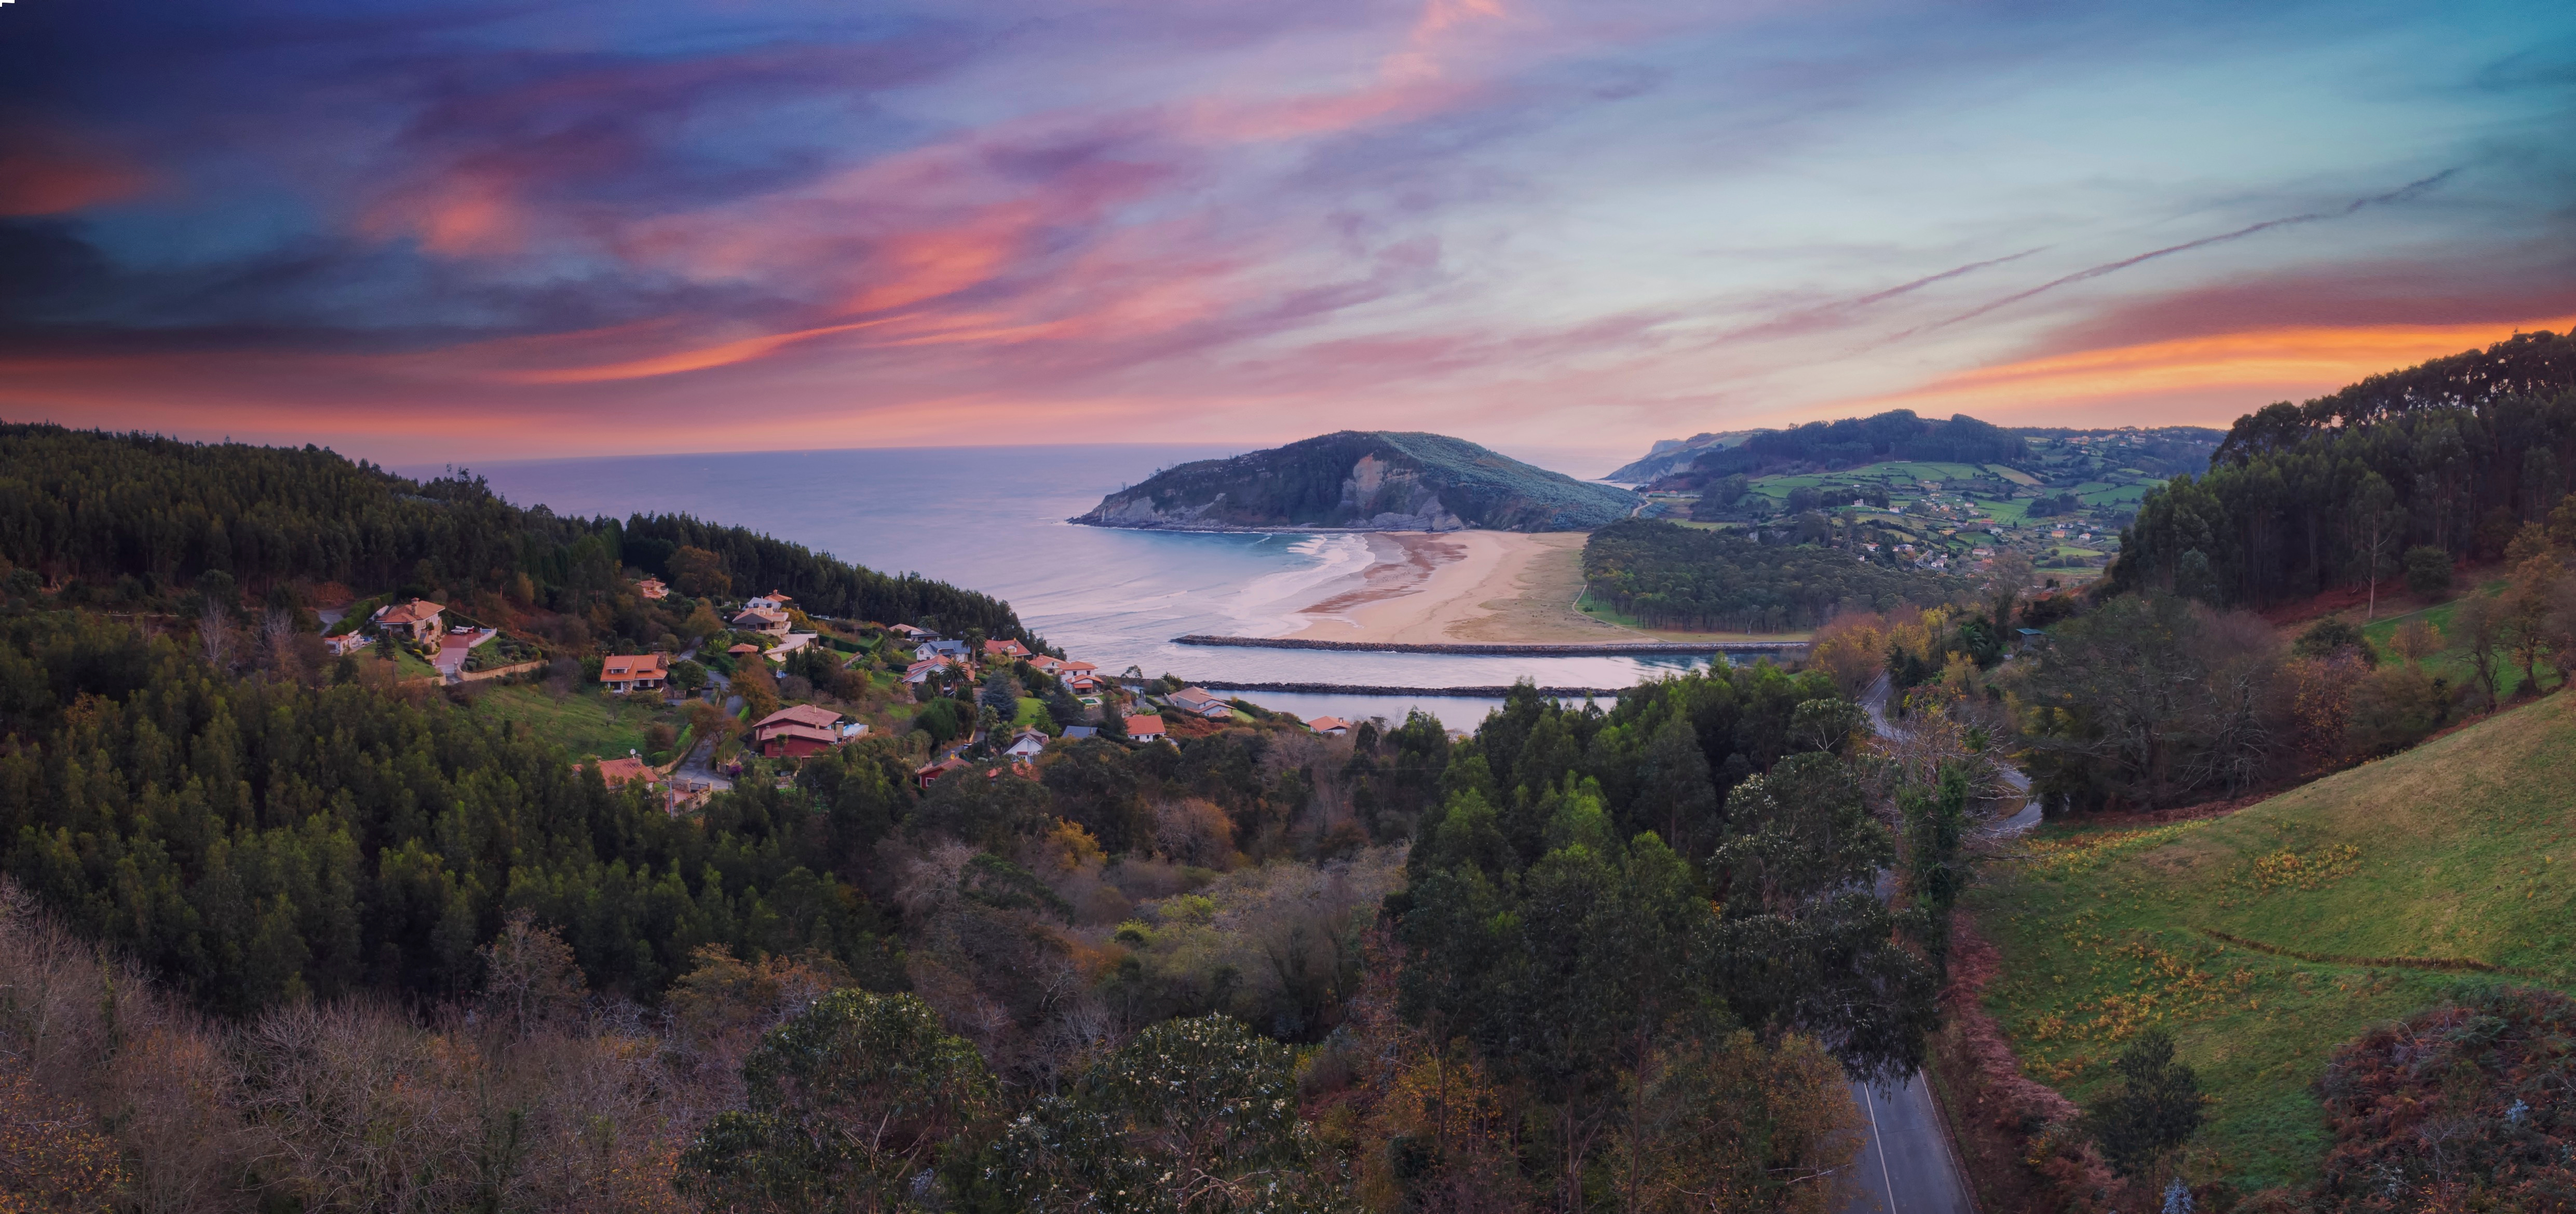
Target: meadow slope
2398,878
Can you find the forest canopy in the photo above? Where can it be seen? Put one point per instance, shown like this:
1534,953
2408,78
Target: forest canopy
136,518
2456,454
1672,576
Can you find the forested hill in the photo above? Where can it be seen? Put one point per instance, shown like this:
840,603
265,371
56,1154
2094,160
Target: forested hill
133,519
1854,441
2455,455
1376,480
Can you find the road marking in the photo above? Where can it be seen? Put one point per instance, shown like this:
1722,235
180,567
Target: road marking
1878,1144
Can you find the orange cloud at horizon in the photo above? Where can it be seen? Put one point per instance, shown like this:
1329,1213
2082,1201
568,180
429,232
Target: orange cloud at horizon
2290,361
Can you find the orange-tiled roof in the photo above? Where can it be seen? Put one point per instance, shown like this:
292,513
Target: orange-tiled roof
626,667
797,729
814,715
416,611
743,647
1145,724
1321,724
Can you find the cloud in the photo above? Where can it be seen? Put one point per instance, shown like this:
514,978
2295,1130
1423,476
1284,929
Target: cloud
2189,374
2409,191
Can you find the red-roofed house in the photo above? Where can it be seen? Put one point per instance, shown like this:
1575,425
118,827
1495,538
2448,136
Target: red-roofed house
929,774
346,643
1197,700
1145,729
415,620
761,619
652,588
623,673
796,731
1331,727
1004,650
772,601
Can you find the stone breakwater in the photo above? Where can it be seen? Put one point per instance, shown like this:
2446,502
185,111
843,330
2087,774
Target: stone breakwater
1362,689
1601,649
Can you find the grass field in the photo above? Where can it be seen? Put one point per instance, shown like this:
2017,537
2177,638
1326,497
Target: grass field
2460,848
589,724
2452,661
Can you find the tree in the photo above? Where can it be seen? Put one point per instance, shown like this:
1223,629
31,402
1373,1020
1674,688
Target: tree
1676,783
2330,636
688,676
700,574
849,1103
2381,523
529,975
1192,1117
51,1156
2416,640
2527,603
2428,570
1732,1127
2481,621
2155,1108
1001,693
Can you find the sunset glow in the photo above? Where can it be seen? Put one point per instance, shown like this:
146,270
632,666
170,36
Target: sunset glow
422,233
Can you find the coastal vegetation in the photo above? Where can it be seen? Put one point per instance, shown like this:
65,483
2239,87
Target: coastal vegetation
134,522
1670,576
1376,480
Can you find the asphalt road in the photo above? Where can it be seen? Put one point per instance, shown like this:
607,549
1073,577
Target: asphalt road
1905,1166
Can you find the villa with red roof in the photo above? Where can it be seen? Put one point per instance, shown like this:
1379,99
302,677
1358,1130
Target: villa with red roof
1005,650
761,619
796,731
416,620
1145,728
632,672
1331,727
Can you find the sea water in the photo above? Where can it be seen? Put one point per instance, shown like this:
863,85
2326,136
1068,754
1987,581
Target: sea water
993,519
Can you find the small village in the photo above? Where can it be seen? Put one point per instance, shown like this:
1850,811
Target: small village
770,686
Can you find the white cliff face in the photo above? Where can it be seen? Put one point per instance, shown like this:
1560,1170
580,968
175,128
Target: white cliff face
1383,497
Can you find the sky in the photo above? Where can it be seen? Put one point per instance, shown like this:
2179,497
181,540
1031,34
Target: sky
478,230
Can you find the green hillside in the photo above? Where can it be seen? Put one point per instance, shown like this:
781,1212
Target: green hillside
2456,851
1370,480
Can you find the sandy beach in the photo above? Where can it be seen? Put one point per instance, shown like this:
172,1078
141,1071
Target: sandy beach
1432,587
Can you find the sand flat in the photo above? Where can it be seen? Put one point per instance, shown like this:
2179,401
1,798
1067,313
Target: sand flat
1426,588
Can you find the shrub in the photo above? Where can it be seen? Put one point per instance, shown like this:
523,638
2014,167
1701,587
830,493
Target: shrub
2155,1109
2328,637
2447,1109
2428,569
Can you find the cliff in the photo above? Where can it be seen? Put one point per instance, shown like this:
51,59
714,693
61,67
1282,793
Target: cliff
1364,481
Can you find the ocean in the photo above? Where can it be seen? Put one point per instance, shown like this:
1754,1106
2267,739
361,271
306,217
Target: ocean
992,519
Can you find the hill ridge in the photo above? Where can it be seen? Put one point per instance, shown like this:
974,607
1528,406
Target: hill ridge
1363,480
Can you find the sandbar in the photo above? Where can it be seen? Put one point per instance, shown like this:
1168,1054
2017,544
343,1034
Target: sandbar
1427,588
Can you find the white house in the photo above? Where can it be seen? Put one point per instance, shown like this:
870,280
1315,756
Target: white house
1027,745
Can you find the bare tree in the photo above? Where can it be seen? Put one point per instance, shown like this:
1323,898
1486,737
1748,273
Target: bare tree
215,635
2382,524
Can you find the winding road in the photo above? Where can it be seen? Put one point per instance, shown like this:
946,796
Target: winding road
1907,1164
